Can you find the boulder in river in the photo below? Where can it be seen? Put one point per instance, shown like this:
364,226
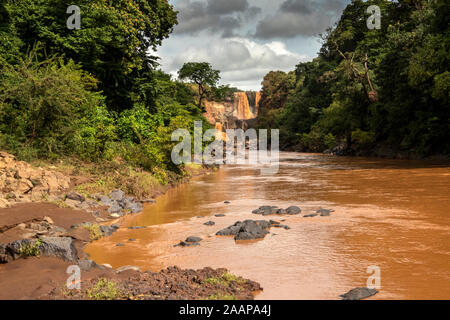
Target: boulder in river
187,244
310,215
209,223
247,230
193,239
268,210
292,210
109,230
358,294
281,226
220,215
324,212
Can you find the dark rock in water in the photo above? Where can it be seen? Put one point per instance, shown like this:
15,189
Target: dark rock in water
266,210
87,265
251,230
220,215
117,195
359,293
281,226
60,247
193,239
324,212
148,201
108,230
131,240
227,202
293,210
231,230
272,222
310,215
187,244
209,223
199,217
120,245
246,230
134,207
136,228
75,196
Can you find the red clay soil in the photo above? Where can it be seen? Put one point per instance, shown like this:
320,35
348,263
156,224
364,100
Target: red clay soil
28,212
37,278
63,217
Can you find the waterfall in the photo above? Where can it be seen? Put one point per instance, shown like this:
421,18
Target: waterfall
242,107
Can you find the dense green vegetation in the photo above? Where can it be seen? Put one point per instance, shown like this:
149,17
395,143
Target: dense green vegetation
369,89
93,93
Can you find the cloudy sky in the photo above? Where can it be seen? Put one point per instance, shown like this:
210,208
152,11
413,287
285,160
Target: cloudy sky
245,39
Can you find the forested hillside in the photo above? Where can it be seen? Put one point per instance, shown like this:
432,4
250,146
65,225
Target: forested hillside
92,93
376,92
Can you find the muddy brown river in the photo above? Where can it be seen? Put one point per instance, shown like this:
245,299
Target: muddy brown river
392,214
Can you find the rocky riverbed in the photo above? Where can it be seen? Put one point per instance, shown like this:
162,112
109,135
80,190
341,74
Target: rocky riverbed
45,225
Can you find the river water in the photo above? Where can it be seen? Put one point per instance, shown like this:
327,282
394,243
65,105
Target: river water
391,214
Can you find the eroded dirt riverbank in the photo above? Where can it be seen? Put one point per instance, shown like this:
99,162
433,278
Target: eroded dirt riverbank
388,213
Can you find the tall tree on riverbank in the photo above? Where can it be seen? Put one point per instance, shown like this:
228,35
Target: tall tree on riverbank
201,74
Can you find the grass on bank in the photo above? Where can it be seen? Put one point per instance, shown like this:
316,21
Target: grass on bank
225,280
221,296
31,249
105,289
95,232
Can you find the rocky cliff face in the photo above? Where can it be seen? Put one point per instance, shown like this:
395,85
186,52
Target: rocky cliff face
234,113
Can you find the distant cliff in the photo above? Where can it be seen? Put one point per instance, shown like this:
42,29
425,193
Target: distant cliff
234,112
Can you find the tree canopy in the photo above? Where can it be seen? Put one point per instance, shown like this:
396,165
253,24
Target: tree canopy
372,88
202,74
113,43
